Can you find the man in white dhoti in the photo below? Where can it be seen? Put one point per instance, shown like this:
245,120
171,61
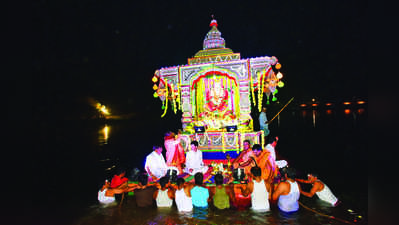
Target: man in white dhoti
155,164
194,161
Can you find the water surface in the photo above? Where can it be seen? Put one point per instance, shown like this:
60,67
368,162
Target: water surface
78,156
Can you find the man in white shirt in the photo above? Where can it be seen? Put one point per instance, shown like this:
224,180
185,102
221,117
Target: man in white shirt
320,189
155,164
271,147
194,161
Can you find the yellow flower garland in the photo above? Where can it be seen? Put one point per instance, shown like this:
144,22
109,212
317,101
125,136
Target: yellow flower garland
166,99
252,89
179,95
173,98
263,138
260,92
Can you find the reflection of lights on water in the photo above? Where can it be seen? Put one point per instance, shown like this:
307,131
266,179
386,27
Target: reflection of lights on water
314,118
360,111
106,131
303,113
329,111
278,120
347,111
104,134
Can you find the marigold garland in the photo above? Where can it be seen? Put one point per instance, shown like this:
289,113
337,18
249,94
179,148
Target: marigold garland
166,99
179,95
252,90
260,93
173,98
262,78
263,138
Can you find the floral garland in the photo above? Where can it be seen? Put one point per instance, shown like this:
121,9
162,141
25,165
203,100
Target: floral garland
173,98
259,91
166,99
179,95
252,90
263,138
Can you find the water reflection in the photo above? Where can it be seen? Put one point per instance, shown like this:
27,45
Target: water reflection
103,135
314,118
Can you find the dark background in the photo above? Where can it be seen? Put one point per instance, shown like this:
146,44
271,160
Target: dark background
109,50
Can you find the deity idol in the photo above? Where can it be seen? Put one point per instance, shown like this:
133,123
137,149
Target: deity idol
216,98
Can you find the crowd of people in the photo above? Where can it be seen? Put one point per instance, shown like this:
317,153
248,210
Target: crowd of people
266,181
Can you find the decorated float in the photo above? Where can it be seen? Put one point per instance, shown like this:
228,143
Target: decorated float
215,93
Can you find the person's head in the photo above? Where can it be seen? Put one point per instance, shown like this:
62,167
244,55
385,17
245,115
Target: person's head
169,135
264,109
247,144
158,149
218,179
143,179
106,184
194,145
180,181
199,178
257,149
290,173
256,171
163,181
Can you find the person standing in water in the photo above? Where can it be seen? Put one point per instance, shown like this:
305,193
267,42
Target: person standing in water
320,189
259,191
221,195
288,192
183,196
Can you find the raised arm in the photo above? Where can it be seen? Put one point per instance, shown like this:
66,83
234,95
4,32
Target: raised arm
302,181
315,188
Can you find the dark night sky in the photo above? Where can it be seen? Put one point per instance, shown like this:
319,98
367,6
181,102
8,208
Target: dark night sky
109,50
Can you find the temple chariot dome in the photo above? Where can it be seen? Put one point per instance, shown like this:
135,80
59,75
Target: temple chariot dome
214,43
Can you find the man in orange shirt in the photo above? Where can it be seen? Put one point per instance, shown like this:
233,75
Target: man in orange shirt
119,180
244,160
